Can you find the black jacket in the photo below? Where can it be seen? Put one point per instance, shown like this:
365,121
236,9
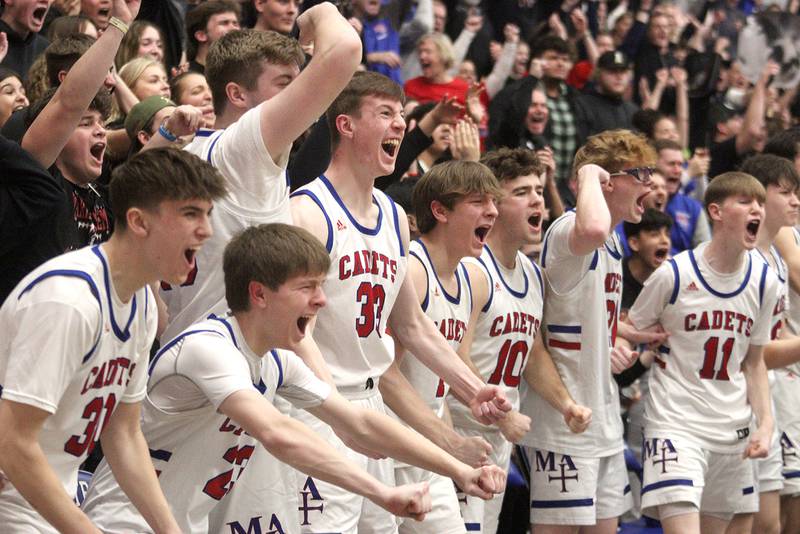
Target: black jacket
596,112
22,52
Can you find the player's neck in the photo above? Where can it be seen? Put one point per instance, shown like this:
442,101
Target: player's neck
352,184
443,258
127,267
723,256
228,117
503,250
252,328
766,234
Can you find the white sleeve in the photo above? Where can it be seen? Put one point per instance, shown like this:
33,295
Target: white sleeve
57,324
762,326
655,295
137,386
241,156
214,365
300,385
564,269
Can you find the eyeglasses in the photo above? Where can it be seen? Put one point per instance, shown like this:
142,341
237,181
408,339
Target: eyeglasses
640,174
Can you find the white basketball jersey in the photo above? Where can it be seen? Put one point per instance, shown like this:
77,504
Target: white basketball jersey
580,327
258,193
70,347
450,314
793,313
368,266
199,453
697,388
786,390
505,329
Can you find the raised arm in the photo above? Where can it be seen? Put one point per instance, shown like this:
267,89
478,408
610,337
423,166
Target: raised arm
754,122
592,217
337,54
50,131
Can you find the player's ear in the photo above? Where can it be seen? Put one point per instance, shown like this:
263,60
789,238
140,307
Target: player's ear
633,243
235,95
258,294
137,222
344,123
713,211
439,211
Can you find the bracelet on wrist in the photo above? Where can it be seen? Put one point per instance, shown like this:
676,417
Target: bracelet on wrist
118,24
166,134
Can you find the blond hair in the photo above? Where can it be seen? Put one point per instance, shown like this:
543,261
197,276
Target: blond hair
615,150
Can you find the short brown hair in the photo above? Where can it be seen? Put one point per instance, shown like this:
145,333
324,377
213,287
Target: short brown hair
614,150
448,183
729,184
772,170
666,144
239,57
161,174
63,53
511,163
363,84
269,254
197,20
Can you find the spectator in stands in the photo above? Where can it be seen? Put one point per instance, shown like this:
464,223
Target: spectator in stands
191,88
785,144
204,25
145,118
143,39
556,58
735,136
99,11
691,226
12,94
68,24
145,77
276,15
435,52
22,21
605,107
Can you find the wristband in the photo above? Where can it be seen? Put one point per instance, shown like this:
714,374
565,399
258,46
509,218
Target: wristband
166,134
118,24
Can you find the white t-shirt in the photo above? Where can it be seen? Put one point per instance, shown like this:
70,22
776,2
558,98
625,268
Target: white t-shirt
697,388
199,453
583,295
258,193
71,347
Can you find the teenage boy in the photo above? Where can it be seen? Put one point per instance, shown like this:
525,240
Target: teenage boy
201,437
508,293
581,479
366,235
716,302
205,25
649,243
262,103
76,335
761,509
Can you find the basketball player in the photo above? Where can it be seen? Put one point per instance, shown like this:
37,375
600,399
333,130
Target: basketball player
506,314
202,435
760,512
455,205
75,336
366,235
262,103
716,301
581,479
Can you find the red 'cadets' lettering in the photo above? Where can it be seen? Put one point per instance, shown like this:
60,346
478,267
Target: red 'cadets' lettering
452,329
514,322
729,320
229,426
367,262
106,374
613,283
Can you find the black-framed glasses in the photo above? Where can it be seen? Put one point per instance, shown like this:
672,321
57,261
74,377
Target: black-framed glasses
640,174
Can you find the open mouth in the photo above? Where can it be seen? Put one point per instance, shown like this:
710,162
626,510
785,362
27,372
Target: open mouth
752,228
189,254
481,232
640,201
390,146
302,323
38,14
661,254
97,151
535,220
103,12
